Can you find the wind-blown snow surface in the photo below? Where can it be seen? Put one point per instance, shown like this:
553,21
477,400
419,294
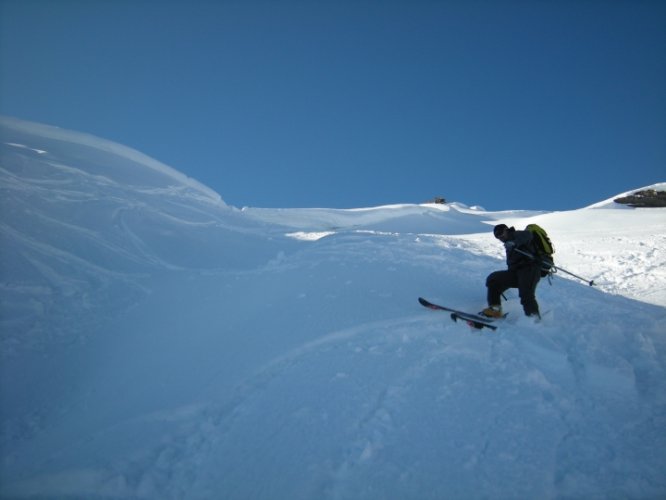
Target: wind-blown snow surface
157,343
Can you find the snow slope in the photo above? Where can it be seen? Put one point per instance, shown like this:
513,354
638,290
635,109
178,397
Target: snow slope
157,343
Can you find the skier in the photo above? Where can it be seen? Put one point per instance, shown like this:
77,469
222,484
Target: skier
523,273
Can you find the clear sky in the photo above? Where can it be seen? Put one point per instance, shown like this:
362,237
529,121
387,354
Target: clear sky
528,104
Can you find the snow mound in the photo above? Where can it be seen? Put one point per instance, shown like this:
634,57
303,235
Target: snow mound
85,222
105,160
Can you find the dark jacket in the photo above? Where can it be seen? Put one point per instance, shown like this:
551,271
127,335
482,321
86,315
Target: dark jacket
522,240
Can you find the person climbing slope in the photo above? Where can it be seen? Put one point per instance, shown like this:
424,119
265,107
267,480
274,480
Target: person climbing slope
523,272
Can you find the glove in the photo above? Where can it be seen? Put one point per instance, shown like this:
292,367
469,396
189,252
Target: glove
509,245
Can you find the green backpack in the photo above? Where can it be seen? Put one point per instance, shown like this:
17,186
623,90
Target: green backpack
544,248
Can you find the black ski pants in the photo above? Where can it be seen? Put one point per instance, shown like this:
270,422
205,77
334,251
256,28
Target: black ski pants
524,279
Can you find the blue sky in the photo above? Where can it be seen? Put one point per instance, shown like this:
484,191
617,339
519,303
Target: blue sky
508,104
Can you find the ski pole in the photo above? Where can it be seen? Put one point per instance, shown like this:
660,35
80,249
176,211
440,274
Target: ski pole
589,282
527,254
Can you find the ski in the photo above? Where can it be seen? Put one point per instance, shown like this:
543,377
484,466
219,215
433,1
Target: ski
437,307
473,323
473,320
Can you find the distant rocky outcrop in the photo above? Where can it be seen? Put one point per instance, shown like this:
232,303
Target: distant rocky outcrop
647,198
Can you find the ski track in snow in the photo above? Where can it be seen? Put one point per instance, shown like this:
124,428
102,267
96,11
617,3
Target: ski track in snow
159,344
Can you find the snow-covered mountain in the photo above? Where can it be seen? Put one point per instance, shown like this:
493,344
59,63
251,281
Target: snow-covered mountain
157,343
